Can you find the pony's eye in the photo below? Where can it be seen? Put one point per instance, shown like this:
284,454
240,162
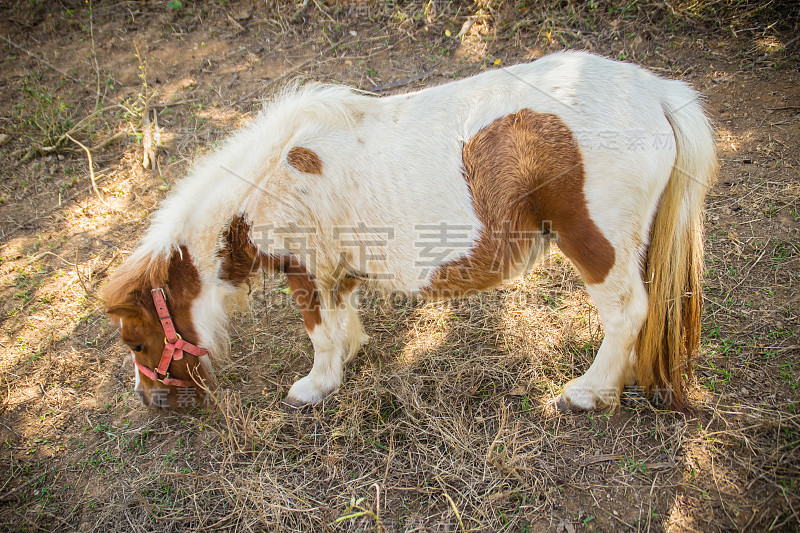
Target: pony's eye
138,348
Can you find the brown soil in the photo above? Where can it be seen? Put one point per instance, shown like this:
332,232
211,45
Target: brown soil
444,421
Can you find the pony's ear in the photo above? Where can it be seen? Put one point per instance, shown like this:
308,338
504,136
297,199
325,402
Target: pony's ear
305,160
125,310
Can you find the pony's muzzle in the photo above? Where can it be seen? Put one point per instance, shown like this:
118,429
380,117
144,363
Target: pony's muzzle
172,397
156,397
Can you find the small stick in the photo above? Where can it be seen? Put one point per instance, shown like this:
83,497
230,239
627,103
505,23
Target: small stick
91,169
173,104
466,27
400,83
94,54
148,154
235,23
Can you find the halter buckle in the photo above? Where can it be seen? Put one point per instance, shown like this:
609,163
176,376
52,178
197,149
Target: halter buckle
168,342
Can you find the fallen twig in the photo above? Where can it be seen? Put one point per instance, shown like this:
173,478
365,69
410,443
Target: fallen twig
91,169
401,83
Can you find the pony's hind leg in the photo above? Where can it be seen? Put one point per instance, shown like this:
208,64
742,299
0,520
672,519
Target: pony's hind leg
621,300
336,339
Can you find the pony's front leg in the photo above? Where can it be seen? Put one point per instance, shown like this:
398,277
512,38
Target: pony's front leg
621,301
336,339
326,374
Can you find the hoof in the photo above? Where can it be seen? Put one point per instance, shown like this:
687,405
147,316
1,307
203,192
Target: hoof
577,397
563,404
295,404
304,393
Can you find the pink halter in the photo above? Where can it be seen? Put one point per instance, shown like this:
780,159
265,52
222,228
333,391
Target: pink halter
174,346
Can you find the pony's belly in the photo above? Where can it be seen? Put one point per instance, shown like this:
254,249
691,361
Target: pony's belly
408,262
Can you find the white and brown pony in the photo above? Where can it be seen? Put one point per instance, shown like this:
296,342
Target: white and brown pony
439,193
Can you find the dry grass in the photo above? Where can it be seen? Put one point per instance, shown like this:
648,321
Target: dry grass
443,423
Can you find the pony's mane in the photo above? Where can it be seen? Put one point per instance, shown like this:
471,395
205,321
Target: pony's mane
131,284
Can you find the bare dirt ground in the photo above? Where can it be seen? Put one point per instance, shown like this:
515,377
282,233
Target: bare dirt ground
443,423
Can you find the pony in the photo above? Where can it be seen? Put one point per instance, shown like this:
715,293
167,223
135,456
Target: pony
437,193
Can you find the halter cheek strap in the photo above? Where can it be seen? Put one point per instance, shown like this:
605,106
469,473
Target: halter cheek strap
174,346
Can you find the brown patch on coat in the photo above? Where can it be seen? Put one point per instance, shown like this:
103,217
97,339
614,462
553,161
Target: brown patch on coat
345,287
525,174
128,297
305,160
304,290
241,259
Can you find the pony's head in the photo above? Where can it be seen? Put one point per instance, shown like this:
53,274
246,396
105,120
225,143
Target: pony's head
151,297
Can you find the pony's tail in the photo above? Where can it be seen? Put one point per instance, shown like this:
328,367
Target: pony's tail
673,271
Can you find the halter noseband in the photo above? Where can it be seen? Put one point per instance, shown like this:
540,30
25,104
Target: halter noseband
174,346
